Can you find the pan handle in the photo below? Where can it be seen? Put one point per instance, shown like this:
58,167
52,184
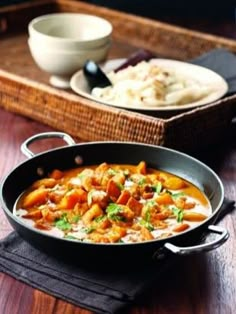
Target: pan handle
40,136
224,235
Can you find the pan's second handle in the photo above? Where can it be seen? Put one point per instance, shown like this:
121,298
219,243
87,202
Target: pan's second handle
224,235
25,145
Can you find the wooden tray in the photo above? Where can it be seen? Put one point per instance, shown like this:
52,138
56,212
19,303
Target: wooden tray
24,88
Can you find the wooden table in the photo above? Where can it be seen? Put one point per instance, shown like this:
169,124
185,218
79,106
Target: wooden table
204,283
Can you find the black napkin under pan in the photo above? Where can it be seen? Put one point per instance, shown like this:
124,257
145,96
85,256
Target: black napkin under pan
91,288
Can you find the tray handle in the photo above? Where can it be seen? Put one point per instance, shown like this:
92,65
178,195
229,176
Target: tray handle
46,135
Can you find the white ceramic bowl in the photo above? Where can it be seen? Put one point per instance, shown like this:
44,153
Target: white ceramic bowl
62,64
61,43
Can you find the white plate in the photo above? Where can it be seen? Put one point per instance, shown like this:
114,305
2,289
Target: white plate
203,75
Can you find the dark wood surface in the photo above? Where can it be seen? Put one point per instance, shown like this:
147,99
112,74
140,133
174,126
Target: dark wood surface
203,283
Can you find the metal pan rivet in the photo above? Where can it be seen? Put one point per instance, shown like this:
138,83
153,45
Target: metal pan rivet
79,160
40,171
159,254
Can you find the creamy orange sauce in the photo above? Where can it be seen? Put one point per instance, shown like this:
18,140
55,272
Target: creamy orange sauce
111,203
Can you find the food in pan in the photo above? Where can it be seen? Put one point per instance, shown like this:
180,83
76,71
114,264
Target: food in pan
150,85
113,203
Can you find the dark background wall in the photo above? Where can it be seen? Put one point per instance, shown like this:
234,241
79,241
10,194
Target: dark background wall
161,8
156,8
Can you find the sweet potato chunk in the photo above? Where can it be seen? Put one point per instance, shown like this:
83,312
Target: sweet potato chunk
116,233
72,197
50,216
142,167
47,183
181,227
146,234
36,214
174,183
36,197
193,216
164,199
94,212
135,206
123,198
112,189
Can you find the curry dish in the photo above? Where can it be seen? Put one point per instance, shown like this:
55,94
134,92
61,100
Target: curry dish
113,203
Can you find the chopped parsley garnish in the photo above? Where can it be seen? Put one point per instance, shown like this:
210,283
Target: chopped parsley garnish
126,172
81,176
100,218
150,204
112,172
118,218
147,207
113,210
177,195
70,237
179,214
157,187
147,215
146,224
120,186
120,241
75,219
142,181
88,230
63,223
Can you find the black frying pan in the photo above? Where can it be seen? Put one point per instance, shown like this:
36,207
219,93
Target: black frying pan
113,152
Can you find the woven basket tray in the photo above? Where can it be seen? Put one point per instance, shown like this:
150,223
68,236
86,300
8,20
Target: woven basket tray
24,88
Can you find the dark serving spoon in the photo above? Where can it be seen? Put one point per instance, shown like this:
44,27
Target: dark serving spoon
97,78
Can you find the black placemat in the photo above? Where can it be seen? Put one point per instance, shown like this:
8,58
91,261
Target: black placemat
94,289
222,62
